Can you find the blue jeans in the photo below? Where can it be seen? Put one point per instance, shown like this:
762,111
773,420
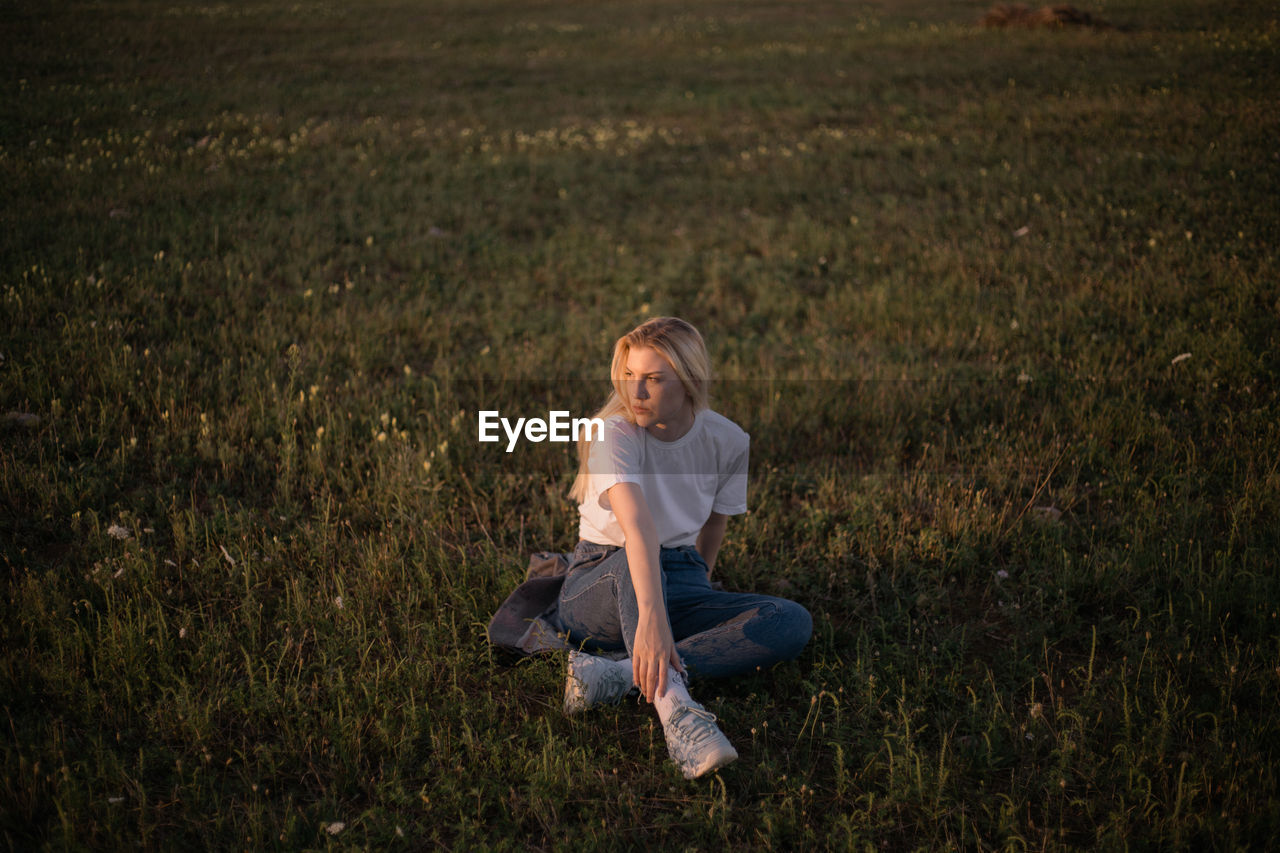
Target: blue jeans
717,633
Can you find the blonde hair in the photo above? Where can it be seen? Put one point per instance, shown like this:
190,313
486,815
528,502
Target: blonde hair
682,347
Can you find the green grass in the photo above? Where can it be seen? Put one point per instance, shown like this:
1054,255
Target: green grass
260,263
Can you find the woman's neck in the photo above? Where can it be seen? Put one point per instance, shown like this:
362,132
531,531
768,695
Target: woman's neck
676,428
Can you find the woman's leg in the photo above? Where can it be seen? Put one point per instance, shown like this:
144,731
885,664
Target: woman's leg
597,606
717,633
721,634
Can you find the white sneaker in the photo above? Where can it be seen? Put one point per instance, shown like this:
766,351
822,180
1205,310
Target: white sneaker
695,742
594,681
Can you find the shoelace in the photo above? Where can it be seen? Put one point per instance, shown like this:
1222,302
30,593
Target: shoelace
695,732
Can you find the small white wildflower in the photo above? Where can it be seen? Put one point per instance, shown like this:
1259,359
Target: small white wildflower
335,827
182,633
1002,574
1022,232
338,602
115,531
115,800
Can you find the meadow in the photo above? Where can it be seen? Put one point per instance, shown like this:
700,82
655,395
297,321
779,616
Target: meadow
999,308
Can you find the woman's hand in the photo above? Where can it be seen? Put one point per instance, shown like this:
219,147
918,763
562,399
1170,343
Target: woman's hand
652,653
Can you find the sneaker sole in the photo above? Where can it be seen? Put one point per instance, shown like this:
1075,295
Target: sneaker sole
713,763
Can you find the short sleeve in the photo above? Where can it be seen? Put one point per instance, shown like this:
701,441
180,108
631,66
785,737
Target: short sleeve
731,490
616,458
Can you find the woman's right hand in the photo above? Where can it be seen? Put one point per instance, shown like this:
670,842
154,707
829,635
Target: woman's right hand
652,653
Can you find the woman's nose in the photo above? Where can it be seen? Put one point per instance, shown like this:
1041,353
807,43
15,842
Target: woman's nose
640,392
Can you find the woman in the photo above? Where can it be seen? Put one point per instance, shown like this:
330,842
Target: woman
655,494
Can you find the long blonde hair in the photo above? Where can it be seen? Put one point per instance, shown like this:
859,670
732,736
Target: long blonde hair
682,347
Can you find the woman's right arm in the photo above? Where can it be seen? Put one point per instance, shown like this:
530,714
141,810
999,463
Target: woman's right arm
653,649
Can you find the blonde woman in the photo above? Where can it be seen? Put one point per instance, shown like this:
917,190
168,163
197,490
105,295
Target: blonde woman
654,495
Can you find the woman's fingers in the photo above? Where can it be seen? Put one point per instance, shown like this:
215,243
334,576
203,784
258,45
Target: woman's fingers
650,675
655,680
640,668
653,656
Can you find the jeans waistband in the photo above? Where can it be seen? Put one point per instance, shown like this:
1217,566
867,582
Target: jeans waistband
585,547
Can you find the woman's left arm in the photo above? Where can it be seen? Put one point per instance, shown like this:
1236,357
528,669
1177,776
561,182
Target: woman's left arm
710,537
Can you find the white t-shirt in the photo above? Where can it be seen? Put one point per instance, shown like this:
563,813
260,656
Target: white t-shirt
683,481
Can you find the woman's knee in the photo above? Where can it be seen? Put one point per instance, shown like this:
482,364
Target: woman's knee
785,628
796,627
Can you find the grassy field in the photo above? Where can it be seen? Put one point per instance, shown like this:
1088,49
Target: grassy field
1000,310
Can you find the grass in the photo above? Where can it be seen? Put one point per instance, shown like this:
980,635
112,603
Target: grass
260,263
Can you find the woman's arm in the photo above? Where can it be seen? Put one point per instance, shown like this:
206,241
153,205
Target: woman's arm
710,537
653,649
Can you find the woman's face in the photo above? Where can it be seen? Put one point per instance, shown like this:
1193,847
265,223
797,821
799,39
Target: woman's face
655,395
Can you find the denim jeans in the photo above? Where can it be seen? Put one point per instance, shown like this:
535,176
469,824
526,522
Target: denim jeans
717,633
